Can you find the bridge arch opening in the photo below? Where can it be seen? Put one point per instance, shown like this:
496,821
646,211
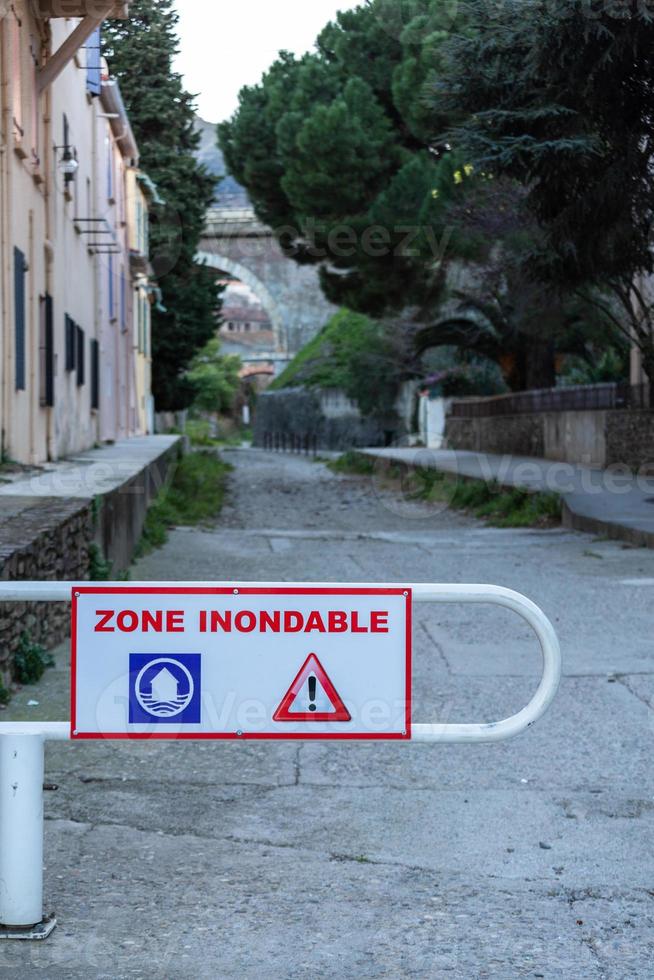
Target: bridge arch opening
238,271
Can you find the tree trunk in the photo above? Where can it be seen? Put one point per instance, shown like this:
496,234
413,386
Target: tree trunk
647,360
540,363
531,365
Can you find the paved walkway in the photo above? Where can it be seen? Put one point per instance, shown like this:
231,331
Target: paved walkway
612,502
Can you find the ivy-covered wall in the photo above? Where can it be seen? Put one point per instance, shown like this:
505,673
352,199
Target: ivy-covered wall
324,415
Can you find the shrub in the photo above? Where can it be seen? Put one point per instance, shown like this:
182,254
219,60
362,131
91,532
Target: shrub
360,356
30,661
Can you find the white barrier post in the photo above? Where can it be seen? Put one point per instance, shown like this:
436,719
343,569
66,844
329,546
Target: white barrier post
21,838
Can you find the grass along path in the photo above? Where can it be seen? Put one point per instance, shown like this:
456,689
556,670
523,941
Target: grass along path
194,496
500,506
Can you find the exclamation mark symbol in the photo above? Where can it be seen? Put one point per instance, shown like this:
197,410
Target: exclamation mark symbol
312,693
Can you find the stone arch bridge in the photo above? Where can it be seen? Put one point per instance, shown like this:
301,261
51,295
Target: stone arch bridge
236,243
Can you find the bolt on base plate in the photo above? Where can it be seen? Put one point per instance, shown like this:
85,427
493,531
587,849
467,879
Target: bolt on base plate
39,931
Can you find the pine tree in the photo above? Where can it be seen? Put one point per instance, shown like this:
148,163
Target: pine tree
140,53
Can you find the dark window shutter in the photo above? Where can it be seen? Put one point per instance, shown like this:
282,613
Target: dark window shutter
71,343
93,81
123,301
19,314
80,355
95,374
49,352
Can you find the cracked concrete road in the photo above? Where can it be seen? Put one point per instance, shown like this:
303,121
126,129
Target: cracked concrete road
532,858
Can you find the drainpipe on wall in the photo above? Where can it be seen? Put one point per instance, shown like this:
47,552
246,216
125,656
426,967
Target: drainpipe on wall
51,448
34,319
4,292
98,136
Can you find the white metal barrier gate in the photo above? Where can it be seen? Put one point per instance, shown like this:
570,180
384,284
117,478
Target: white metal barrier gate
22,743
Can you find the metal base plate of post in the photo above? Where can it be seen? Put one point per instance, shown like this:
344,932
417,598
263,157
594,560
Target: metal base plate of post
39,931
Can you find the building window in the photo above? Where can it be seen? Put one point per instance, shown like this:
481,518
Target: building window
110,265
93,81
20,269
95,374
123,301
70,342
80,356
46,352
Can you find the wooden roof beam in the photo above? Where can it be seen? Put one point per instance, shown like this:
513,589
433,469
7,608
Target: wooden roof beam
66,52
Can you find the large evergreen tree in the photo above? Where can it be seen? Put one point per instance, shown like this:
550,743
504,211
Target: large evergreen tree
140,51
343,155
334,153
559,97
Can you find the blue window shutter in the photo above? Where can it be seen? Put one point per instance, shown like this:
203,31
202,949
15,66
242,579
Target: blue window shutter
93,80
95,374
123,301
111,286
49,352
80,356
71,343
19,308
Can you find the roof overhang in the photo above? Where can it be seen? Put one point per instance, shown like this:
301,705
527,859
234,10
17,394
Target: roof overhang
83,8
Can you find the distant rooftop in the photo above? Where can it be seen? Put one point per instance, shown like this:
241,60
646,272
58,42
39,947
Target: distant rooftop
252,313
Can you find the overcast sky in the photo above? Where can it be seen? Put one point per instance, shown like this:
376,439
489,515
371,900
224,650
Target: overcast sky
227,45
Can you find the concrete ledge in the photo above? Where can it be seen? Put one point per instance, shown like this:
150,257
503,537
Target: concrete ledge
611,502
640,538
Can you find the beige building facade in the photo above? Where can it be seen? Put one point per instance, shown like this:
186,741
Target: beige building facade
71,373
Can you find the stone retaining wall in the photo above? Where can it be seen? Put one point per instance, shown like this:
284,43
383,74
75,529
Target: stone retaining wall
602,438
328,416
519,435
630,439
45,538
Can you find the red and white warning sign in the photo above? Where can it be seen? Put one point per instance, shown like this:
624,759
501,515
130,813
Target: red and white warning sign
167,661
312,696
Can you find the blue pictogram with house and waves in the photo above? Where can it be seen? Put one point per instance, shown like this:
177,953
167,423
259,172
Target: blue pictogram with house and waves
165,688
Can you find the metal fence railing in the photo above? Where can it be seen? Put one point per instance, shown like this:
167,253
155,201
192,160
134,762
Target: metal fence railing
291,442
579,398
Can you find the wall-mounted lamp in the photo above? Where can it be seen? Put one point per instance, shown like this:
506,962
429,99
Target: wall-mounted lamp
68,165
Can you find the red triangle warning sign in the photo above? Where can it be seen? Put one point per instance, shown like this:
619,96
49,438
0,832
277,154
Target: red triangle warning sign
312,696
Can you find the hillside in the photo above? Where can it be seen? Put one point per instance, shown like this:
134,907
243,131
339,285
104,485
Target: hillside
228,192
